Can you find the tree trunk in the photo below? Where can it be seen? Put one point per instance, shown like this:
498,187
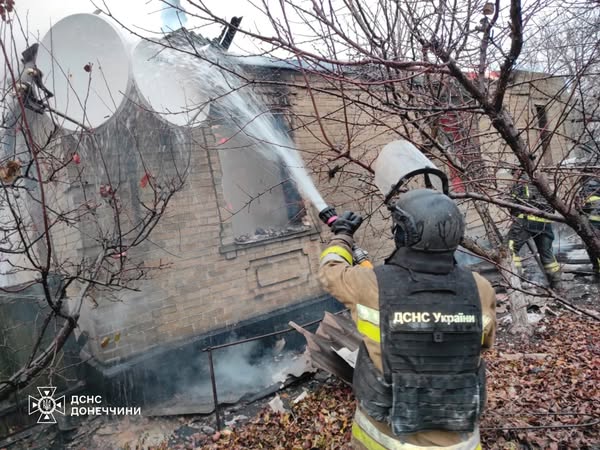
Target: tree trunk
21,379
517,299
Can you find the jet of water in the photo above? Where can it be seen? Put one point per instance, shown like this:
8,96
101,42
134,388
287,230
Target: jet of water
215,83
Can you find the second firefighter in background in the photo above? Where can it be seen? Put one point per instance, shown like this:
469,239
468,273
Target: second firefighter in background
529,226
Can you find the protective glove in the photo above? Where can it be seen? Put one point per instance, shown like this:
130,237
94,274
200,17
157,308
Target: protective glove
347,224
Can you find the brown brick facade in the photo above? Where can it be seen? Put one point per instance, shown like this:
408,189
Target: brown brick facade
214,282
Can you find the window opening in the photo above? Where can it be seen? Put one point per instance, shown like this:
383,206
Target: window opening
257,187
545,135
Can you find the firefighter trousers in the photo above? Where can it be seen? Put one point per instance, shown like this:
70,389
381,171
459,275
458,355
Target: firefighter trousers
542,234
595,261
365,436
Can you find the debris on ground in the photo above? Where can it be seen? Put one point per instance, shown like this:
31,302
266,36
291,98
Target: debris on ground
542,394
276,405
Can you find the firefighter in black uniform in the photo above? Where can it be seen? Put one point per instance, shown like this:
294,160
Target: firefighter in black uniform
528,226
590,196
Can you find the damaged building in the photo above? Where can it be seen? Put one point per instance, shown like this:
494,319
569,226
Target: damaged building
241,242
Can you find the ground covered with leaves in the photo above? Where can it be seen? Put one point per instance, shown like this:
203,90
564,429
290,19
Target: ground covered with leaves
539,393
551,381
543,393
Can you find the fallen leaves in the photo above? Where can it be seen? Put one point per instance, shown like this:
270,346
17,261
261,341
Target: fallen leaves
555,373
321,420
10,171
541,391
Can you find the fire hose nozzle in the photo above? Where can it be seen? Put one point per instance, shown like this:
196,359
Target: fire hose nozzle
328,215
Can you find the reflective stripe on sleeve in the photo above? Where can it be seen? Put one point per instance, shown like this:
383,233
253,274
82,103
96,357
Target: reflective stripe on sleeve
373,439
332,257
337,250
485,323
369,330
367,322
369,314
533,218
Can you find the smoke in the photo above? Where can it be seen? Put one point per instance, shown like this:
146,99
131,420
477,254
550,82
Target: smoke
238,370
465,258
173,16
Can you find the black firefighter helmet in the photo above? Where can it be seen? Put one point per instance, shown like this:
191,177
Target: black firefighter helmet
427,220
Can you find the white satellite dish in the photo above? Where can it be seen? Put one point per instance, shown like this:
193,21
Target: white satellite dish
76,44
170,82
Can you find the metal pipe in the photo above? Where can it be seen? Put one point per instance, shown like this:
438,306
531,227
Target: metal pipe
229,32
213,381
242,341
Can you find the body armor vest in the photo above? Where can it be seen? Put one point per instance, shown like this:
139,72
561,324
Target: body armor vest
431,334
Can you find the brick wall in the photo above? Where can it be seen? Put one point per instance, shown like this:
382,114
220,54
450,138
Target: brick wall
369,130
525,91
212,281
346,127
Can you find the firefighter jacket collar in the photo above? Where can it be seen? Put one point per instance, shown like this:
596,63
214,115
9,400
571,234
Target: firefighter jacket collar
424,262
